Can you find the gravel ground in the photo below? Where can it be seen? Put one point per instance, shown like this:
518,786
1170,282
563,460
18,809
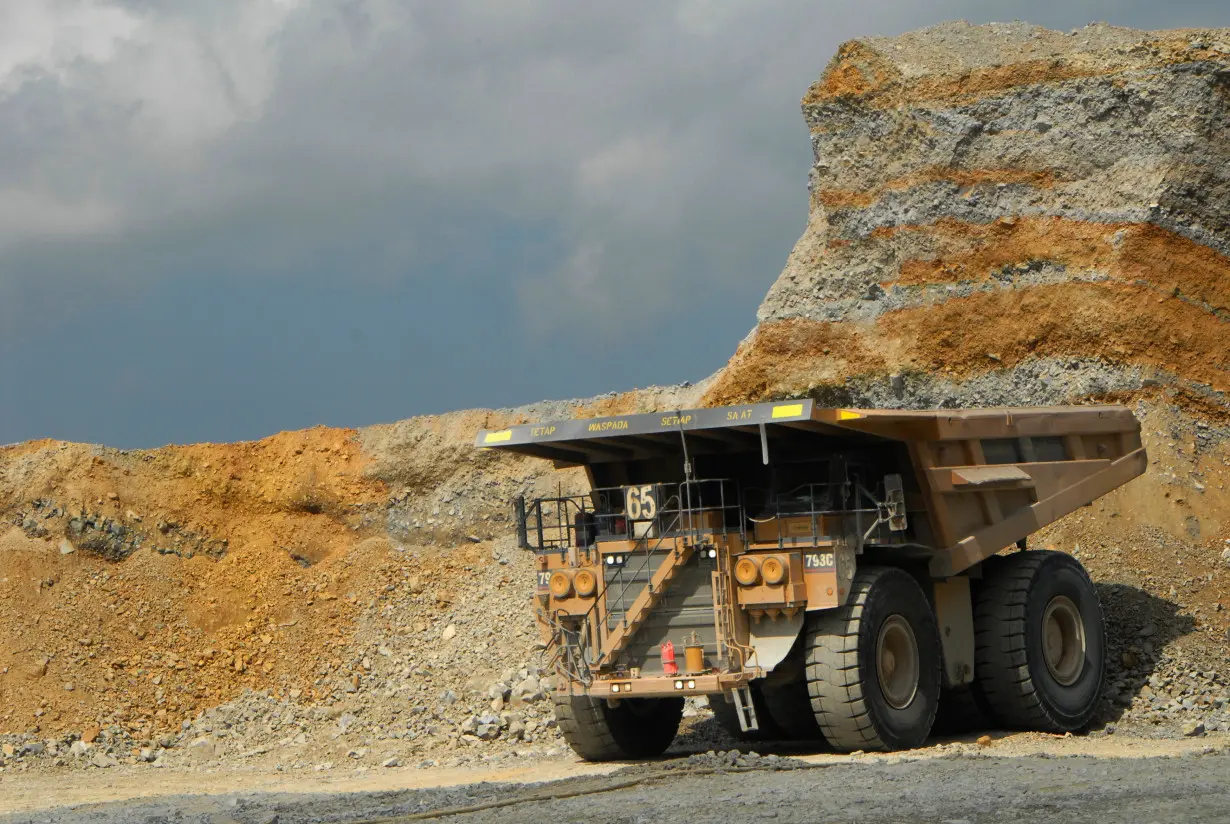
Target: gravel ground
959,786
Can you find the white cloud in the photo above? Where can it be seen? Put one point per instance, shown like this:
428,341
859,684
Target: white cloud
112,114
54,36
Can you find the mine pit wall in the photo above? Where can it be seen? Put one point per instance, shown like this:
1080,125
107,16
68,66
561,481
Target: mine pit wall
987,197
1005,215
1031,215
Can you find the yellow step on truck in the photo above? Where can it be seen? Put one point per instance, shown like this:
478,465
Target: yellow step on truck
818,573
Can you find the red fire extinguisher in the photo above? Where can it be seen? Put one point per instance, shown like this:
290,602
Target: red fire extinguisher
668,659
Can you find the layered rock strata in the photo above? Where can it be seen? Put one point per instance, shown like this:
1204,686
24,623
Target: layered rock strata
988,198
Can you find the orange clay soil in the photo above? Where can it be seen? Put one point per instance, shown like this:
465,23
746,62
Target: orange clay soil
962,337
155,637
855,71
1127,251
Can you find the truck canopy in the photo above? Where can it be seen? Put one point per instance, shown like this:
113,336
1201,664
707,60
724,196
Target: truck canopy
579,442
982,479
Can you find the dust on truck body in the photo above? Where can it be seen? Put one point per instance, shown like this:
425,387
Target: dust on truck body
817,572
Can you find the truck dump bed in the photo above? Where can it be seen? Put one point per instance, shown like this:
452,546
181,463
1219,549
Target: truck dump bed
983,479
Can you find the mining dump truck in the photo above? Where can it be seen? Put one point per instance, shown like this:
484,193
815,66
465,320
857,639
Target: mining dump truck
818,573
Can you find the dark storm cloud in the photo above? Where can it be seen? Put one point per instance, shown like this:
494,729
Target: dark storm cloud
542,171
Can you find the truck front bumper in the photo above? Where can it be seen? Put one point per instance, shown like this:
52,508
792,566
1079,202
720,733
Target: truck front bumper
657,686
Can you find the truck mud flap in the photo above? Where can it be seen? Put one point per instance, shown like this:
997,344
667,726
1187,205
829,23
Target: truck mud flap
772,640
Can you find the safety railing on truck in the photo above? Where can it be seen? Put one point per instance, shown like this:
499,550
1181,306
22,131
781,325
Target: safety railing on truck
577,642
811,512
710,506
655,519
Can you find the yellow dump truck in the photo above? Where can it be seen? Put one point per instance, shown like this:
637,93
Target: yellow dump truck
818,572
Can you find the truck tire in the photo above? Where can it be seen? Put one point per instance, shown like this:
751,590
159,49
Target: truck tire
633,728
873,665
1040,642
789,705
727,716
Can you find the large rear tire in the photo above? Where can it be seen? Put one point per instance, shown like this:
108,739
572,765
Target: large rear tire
1041,642
632,728
873,665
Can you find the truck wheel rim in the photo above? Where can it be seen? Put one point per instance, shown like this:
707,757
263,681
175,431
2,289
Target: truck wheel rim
897,662
1063,640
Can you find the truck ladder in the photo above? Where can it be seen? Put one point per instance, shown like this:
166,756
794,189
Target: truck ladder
640,607
730,650
745,708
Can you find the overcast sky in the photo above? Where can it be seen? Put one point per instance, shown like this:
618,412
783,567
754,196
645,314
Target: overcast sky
220,219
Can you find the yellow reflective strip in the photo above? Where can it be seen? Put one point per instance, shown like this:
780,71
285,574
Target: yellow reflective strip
498,437
788,411
847,415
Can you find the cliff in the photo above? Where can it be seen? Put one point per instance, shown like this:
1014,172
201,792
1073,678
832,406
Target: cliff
1008,214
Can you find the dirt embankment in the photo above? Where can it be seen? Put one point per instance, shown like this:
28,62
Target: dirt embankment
138,588
141,586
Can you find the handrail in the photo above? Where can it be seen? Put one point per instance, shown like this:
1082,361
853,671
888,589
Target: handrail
725,609
803,501
646,566
677,518
553,522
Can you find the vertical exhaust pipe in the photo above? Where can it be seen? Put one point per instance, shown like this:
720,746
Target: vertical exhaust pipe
519,517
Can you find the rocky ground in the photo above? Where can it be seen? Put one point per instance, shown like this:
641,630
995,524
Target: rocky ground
1056,780
433,677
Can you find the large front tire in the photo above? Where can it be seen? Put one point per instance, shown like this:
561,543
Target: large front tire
873,665
633,728
1040,654
789,705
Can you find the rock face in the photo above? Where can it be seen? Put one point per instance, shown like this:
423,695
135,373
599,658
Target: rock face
988,200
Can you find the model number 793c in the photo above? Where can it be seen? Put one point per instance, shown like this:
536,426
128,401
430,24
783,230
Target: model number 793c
818,560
